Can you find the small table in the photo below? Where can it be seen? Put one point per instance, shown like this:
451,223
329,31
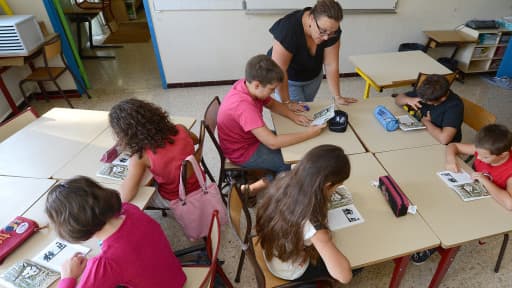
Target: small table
454,221
395,69
454,38
293,153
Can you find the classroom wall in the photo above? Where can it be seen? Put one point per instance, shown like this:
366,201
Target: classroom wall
214,45
12,76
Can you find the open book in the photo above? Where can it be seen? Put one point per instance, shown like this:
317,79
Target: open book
323,115
342,211
467,188
44,268
407,122
117,170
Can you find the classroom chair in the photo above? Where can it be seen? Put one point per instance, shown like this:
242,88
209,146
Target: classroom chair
104,6
16,123
227,169
199,276
238,214
47,73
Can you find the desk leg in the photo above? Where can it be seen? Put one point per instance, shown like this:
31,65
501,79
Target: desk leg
447,257
366,90
7,95
399,271
369,82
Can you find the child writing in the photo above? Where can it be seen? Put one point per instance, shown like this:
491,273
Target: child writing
134,250
145,131
493,161
243,135
441,110
291,220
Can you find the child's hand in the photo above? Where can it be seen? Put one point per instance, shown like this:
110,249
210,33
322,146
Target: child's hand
74,266
479,176
302,120
452,167
414,102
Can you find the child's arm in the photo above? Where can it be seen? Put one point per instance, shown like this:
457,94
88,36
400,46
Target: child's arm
502,196
136,169
337,264
451,154
274,141
402,99
282,109
443,135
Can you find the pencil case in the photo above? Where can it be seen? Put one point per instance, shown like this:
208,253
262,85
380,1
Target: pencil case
14,234
385,118
396,198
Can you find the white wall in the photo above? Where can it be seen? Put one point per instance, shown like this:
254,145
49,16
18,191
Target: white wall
12,76
214,45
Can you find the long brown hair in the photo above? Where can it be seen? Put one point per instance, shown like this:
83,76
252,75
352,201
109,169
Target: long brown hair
141,125
296,197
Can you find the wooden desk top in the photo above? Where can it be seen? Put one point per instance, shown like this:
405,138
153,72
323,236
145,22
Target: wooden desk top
292,154
22,60
382,236
450,218
450,36
87,161
45,145
388,69
44,237
18,194
374,137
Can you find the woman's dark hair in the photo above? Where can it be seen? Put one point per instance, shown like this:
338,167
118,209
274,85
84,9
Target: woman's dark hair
263,69
141,125
296,197
80,207
327,8
433,88
495,138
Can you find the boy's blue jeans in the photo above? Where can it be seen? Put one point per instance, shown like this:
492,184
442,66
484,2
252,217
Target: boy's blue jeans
267,158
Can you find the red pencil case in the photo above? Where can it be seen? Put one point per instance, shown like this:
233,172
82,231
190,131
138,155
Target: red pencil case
14,234
396,198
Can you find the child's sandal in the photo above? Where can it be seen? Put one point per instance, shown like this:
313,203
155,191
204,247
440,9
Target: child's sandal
251,199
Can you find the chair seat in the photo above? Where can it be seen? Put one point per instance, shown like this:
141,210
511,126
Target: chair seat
195,276
270,279
41,74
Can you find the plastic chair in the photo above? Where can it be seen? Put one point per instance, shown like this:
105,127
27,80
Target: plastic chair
46,73
475,116
199,276
265,278
228,170
238,212
104,6
16,123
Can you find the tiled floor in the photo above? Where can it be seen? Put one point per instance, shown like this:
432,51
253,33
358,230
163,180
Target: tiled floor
135,74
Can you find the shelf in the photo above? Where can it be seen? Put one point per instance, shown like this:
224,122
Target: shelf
480,58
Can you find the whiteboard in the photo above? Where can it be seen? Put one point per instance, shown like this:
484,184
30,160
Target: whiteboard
389,5
164,5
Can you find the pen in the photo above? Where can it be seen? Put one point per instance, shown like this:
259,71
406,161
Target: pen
306,107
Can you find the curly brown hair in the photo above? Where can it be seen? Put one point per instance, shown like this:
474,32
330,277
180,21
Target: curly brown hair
296,197
140,125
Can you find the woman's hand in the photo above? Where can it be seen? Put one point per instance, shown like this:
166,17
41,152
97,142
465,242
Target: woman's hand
344,100
296,107
74,266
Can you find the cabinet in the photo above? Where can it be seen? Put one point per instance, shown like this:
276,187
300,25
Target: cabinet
486,54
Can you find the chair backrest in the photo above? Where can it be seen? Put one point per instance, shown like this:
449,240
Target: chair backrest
17,123
237,212
264,278
475,116
210,124
52,49
198,154
422,76
213,247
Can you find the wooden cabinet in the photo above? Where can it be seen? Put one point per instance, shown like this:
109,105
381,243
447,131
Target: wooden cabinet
486,54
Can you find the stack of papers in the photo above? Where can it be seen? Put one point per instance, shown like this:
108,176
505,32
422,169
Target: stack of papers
342,211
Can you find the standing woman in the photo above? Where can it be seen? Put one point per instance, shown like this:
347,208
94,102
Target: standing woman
304,41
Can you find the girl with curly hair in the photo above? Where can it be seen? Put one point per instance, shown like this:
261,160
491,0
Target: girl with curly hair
291,221
155,143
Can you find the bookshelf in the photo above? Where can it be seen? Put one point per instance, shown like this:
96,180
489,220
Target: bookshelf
486,54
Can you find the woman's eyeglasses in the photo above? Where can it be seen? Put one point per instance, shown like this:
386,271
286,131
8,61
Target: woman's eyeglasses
324,32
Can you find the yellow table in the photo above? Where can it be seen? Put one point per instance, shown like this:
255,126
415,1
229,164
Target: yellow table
292,154
395,69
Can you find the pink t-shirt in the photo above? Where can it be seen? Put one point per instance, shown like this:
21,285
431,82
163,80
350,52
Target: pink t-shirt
166,165
499,174
239,113
138,254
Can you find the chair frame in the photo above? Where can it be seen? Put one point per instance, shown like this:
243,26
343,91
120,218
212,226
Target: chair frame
55,42
103,6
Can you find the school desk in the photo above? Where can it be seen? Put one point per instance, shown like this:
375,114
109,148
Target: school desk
395,69
87,161
382,236
18,194
44,237
375,137
293,153
454,221
42,147
454,38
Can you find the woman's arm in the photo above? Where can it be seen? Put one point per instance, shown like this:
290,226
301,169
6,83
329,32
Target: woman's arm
283,58
337,264
136,169
332,73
